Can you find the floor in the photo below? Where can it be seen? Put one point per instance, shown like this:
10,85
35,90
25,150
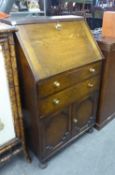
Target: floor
92,154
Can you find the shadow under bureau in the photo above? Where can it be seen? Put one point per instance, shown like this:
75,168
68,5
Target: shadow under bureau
60,68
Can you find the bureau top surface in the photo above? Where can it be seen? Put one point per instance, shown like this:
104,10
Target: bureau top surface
54,47
26,18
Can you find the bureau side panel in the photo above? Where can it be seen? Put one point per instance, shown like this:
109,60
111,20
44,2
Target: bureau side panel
29,99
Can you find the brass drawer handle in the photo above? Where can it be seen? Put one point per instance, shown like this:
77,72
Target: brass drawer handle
92,70
56,84
75,120
90,85
56,101
58,26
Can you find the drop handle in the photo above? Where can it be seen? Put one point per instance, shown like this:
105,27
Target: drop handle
56,101
92,70
75,121
90,85
56,84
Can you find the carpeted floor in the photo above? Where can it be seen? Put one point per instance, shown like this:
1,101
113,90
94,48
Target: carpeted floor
92,154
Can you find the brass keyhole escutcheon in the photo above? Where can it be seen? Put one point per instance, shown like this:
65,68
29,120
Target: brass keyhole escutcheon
58,26
1,125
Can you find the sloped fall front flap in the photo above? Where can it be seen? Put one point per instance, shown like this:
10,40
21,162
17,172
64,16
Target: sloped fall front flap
54,47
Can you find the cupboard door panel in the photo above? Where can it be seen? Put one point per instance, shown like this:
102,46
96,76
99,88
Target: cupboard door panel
83,113
56,130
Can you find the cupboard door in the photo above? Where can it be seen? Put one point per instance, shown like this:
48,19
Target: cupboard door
83,113
56,130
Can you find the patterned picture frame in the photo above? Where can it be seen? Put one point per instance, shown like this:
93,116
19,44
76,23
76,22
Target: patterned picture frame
17,144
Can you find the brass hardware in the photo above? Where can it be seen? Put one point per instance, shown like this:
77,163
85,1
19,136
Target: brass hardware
92,70
75,120
90,85
56,101
58,26
56,84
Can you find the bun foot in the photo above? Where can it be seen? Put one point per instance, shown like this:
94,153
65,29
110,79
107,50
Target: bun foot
43,165
91,130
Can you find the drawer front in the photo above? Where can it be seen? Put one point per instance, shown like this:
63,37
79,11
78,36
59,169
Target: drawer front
57,83
68,96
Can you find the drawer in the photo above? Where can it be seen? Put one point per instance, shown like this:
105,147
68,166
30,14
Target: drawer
68,96
57,83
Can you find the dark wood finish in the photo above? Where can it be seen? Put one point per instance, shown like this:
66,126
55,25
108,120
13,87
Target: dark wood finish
17,144
74,72
68,96
48,86
84,112
56,130
106,110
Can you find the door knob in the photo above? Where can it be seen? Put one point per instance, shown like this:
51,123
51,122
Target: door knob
75,120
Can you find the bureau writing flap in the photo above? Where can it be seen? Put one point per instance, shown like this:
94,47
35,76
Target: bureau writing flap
58,46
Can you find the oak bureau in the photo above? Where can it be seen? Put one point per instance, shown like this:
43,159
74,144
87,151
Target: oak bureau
60,69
